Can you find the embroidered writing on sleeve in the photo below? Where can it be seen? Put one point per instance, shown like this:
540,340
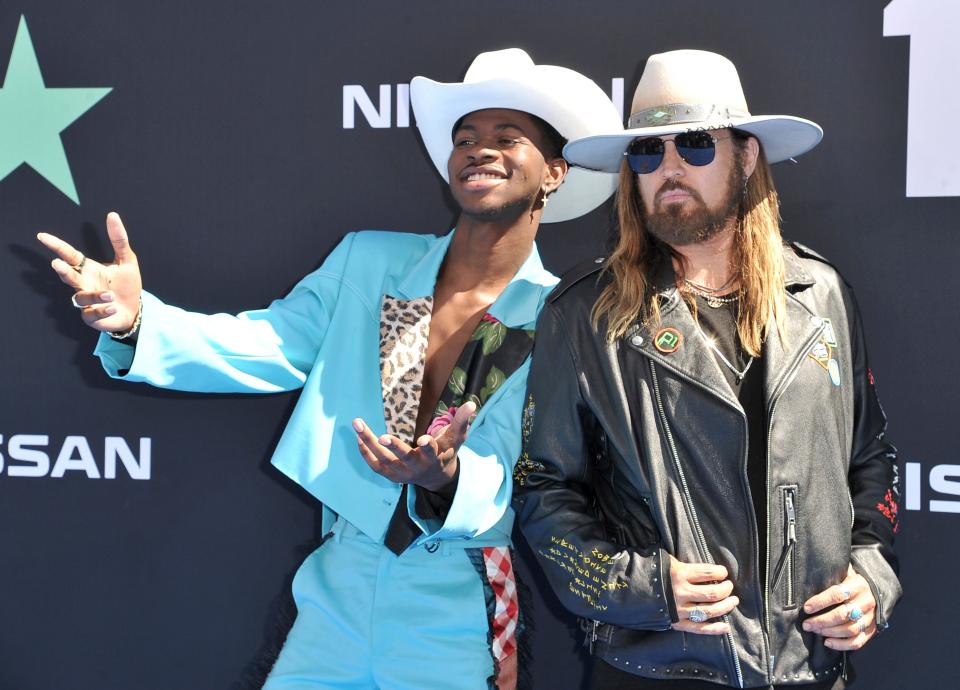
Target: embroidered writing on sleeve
588,571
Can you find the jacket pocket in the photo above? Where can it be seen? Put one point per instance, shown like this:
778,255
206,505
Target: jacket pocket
785,569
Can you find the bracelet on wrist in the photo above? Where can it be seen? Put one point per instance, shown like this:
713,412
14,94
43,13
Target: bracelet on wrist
132,331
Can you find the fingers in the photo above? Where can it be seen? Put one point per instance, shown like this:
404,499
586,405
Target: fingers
387,455
702,593
118,238
832,596
93,315
841,616
717,591
451,437
851,639
94,298
428,447
847,613
461,420
850,628
699,581
698,619
704,572
854,589
693,612
67,274
67,252
380,459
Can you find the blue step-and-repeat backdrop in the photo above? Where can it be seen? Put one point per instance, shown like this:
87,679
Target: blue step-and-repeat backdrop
145,541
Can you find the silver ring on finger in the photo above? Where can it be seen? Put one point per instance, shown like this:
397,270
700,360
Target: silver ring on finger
78,267
861,626
73,301
855,614
698,615
845,591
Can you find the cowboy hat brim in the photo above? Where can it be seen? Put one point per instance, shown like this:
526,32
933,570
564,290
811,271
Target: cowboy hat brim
570,102
782,137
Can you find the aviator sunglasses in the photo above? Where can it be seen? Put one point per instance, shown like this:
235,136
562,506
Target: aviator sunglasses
695,148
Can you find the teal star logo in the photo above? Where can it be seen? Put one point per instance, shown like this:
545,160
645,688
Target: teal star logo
32,117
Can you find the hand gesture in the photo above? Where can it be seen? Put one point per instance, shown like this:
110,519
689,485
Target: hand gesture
432,463
702,592
849,618
108,295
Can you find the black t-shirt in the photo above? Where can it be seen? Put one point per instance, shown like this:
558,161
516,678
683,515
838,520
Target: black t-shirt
720,324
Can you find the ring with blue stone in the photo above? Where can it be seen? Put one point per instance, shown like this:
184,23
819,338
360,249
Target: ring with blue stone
855,615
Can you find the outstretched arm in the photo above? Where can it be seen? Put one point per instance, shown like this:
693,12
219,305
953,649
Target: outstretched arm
261,351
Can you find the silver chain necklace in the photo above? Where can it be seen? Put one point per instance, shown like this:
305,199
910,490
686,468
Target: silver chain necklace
710,295
710,290
713,346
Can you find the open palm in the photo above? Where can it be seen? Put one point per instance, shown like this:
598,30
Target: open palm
108,295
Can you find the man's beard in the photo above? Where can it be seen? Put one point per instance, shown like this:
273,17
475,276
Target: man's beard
679,227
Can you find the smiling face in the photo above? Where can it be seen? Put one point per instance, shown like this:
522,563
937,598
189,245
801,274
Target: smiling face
685,204
497,169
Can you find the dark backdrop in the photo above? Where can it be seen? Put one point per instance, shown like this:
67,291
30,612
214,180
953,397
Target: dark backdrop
223,145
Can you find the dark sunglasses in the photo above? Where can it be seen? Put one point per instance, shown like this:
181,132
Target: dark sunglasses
695,148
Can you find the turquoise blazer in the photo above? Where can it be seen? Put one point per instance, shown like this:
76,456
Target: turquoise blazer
325,337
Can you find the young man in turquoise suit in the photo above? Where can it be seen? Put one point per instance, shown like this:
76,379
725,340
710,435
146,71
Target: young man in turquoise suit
412,352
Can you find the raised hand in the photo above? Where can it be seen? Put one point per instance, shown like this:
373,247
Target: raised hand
108,295
847,613
702,593
432,463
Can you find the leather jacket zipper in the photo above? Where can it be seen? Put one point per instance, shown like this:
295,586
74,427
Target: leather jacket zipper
785,565
701,539
774,399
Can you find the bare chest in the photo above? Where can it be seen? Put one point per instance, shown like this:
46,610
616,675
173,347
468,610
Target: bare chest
451,326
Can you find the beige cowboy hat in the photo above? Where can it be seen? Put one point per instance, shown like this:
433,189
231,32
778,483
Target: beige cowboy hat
570,102
688,90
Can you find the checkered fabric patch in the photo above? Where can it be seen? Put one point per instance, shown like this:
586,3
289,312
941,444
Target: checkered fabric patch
504,584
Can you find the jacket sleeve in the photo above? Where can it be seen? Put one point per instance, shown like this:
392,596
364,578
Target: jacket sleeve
486,465
873,479
261,351
593,577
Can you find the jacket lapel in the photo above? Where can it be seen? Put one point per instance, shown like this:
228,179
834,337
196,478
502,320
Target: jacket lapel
802,328
404,332
679,346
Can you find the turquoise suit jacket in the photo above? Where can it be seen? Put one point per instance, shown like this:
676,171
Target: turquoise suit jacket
325,337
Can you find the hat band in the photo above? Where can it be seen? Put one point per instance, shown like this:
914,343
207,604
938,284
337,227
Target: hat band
683,113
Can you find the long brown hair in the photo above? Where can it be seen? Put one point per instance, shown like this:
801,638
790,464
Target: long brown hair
758,258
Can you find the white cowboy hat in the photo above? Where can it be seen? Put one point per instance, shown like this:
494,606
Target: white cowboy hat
688,90
570,102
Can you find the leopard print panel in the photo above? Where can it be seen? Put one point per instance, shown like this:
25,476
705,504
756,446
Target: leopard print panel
404,329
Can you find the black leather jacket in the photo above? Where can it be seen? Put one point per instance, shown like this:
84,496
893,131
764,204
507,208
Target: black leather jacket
631,454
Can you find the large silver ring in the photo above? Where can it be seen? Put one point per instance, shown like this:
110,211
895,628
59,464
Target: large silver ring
855,615
79,267
73,301
698,615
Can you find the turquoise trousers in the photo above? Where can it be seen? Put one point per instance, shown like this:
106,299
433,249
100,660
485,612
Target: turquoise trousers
370,620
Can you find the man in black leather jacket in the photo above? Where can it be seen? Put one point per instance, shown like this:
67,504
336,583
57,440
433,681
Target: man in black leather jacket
705,478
